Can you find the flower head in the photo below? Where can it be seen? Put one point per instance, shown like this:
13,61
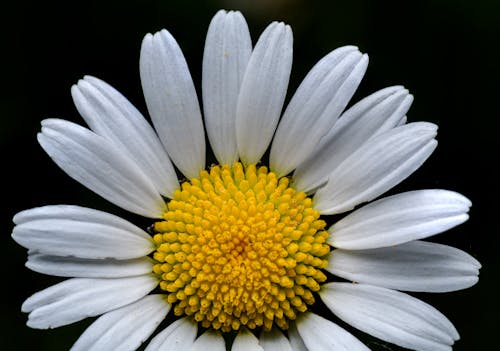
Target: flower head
241,248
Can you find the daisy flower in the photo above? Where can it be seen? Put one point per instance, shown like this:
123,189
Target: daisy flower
238,252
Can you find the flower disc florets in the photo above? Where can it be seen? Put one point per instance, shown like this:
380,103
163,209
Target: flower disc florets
238,246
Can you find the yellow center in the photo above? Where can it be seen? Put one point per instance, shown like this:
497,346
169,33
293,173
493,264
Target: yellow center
238,246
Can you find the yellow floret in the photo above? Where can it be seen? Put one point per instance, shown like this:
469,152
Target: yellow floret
240,247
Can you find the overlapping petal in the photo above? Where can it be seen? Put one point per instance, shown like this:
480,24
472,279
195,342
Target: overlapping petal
227,50
377,166
295,340
274,340
79,298
88,268
80,232
320,334
246,341
414,266
263,91
126,328
391,316
375,114
313,110
100,166
172,102
209,340
109,114
400,218
178,336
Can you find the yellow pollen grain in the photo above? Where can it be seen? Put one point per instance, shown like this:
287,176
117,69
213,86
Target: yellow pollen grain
239,246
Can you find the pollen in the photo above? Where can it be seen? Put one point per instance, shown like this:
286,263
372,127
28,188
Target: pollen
239,246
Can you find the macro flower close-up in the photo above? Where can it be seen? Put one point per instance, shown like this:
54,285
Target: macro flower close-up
240,252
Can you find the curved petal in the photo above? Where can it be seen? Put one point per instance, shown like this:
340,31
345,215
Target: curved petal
390,315
263,91
172,102
274,340
295,340
178,336
88,268
109,114
79,298
319,334
100,166
376,167
315,107
400,218
125,328
209,340
227,50
375,114
414,266
246,341
80,232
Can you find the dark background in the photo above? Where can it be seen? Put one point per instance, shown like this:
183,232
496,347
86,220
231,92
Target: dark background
446,52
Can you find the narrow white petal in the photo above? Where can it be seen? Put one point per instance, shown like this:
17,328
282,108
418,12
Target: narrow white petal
390,315
246,341
209,340
88,268
315,107
377,113
172,102
295,340
400,218
79,298
109,114
320,334
178,336
125,328
381,163
227,50
100,166
263,91
80,232
274,340
414,266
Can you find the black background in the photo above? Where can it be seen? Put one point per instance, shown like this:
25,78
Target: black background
445,52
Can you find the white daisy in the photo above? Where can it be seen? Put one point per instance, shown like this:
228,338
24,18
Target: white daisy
240,249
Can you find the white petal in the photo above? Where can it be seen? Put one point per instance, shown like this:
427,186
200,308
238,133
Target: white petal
390,315
88,268
402,121
315,107
400,218
79,232
274,340
320,334
414,266
373,115
377,166
179,336
295,340
227,50
172,102
100,166
109,114
246,341
209,340
79,298
263,91
125,328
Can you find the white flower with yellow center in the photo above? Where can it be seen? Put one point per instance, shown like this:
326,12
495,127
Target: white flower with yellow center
239,249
